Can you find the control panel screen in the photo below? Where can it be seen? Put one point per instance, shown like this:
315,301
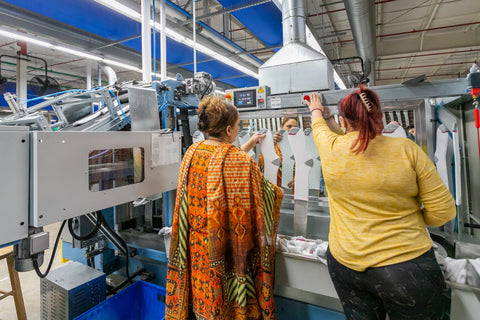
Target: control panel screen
245,99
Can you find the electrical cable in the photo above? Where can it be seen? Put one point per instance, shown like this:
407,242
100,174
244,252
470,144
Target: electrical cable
119,106
86,237
34,258
208,86
103,226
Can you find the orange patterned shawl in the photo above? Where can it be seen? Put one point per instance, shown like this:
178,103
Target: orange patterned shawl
243,211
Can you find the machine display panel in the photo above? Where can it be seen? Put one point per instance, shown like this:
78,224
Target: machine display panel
245,99
113,168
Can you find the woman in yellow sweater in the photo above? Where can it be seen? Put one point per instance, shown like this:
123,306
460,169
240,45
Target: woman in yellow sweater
383,191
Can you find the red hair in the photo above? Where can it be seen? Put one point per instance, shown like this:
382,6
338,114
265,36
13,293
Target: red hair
368,123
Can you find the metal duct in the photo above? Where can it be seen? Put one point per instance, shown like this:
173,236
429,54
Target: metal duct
112,76
296,67
293,22
361,16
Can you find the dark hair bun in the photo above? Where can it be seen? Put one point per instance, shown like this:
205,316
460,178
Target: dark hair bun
215,115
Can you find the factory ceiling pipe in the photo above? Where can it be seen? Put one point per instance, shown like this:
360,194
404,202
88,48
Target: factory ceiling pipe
361,16
411,32
112,76
343,9
429,54
426,66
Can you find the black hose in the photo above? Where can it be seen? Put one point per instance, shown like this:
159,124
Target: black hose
88,236
34,258
113,237
117,241
102,225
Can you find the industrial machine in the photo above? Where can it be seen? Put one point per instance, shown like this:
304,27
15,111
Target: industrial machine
102,162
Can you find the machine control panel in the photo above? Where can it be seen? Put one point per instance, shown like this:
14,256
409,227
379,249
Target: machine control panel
251,98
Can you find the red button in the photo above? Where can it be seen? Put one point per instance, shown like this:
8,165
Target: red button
228,96
260,100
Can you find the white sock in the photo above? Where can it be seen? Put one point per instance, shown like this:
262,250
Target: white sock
271,159
303,163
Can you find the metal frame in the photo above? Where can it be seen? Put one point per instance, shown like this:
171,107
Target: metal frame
14,143
59,189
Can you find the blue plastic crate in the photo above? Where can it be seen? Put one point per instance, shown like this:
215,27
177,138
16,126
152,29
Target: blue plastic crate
140,301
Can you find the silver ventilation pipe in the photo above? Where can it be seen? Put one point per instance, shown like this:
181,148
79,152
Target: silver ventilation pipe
361,16
296,67
112,76
293,22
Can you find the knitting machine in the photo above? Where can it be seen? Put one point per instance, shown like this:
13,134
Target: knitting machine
103,161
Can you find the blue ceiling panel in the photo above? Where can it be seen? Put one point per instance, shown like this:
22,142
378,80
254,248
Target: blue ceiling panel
173,5
95,18
87,15
264,20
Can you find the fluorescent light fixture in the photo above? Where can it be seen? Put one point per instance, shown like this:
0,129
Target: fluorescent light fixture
78,53
180,38
121,65
117,6
172,34
22,37
45,44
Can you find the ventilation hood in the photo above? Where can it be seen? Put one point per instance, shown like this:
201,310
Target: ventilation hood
296,67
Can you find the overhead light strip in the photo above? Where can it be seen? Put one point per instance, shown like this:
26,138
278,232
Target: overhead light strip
172,34
34,40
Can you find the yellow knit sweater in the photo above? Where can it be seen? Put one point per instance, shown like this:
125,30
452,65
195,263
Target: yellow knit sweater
375,198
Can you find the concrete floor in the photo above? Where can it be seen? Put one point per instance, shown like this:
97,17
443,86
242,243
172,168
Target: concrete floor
29,281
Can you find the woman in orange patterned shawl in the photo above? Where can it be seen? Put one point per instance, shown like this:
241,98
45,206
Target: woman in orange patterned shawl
222,254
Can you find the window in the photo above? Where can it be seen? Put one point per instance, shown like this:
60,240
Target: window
113,168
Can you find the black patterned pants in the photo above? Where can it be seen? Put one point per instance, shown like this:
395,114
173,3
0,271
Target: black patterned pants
410,290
